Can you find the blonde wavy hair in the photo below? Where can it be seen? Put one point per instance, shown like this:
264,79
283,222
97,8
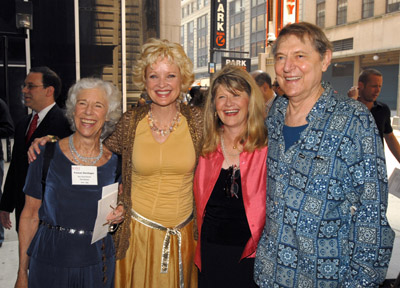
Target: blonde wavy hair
235,79
155,50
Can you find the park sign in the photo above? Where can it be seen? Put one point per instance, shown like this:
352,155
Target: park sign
244,63
218,24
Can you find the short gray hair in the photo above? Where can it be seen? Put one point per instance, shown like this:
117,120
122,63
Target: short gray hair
112,95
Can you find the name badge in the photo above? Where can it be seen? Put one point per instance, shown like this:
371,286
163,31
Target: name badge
84,175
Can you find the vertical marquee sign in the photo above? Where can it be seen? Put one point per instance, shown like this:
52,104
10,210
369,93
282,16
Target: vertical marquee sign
290,11
287,12
218,23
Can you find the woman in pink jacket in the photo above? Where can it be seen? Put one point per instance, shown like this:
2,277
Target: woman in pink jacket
230,181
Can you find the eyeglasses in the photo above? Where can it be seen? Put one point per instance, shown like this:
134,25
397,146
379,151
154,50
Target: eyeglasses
30,86
232,187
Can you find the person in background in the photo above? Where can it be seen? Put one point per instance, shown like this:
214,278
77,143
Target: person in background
41,88
198,96
160,145
263,81
230,181
327,186
6,130
277,89
143,100
56,224
369,87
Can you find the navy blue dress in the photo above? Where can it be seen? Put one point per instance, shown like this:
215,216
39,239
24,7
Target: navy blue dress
58,258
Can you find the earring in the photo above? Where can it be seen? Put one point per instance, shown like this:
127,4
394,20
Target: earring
215,114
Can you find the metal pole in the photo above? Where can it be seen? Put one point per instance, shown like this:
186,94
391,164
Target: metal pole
77,41
7,92
123,60
5,66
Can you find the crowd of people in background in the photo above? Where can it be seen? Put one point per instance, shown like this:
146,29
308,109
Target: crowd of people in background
247,183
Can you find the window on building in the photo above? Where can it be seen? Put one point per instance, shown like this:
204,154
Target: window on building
342,45
256,2
183,35
199,4
393,5
205,2
236,30
236,7
183,12
188,10
236,26
341,12
190,40
202,51
343,69
321,14
258,27
367,8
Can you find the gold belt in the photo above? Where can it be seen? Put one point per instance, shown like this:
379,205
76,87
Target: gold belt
167,241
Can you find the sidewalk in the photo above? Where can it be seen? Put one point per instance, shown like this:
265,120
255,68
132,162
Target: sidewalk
9,258
9,251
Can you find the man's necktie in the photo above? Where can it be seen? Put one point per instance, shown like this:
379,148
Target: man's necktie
32,128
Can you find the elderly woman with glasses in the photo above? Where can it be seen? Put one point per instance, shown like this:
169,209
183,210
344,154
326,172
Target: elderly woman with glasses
230,181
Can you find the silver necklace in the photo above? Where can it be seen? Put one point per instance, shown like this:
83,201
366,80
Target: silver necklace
76,155
226,154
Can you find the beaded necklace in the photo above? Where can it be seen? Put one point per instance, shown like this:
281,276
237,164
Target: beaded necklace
87,160
171,127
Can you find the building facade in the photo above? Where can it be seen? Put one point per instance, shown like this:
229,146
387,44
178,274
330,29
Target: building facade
365,34
246,33
80,38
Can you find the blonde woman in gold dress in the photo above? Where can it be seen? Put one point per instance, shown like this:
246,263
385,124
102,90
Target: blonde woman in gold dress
160,145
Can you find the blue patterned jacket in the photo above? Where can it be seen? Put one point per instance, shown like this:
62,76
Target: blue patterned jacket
326,222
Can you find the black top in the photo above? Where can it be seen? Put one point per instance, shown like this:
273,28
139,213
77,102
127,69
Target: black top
225,220
381,113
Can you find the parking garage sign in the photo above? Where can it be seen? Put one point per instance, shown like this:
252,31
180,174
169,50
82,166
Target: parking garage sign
218,23
244,63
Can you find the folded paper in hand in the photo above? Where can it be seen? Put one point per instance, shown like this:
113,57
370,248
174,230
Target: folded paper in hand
108,200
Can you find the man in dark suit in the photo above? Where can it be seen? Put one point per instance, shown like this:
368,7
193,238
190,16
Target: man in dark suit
41,88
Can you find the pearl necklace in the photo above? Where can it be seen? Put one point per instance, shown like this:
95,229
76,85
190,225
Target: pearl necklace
171,127
226,154
76,155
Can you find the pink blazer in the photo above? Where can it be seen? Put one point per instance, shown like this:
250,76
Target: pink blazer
253,173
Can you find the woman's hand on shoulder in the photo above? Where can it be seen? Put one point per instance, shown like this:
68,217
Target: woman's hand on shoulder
34,148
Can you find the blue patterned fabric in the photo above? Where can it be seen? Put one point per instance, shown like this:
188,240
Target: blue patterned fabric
327,195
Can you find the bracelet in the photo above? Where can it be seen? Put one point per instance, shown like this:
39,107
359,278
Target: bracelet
53,138
113,227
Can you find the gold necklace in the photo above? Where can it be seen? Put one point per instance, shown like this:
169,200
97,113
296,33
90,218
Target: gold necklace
171,127
226,154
